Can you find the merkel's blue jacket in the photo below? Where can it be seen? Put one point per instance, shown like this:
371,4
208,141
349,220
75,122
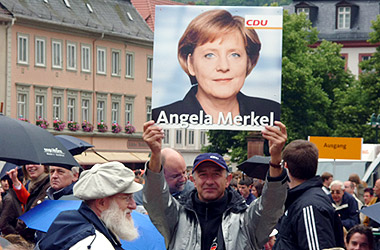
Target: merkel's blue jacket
72,226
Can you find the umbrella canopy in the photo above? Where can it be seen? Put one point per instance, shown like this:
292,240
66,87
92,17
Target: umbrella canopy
24,143
75,145
372,212
256,167
43,215
8,167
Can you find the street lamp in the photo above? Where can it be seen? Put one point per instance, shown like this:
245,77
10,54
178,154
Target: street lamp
375,123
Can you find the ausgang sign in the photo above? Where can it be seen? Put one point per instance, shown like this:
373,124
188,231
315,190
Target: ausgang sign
345,148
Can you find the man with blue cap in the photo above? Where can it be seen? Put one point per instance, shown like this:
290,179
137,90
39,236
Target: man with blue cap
213,216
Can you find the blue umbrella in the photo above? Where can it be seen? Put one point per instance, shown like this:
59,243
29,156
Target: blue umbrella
43,215
75,145
372,212
24,143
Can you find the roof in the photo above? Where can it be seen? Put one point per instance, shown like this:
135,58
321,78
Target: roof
146,8
116,18
326,19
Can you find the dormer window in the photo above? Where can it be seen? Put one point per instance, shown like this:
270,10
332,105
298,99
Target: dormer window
346,15
304,10
309,9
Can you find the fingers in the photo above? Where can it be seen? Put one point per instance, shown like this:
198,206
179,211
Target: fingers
153,136
274,134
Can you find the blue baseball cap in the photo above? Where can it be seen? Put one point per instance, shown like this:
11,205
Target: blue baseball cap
212,157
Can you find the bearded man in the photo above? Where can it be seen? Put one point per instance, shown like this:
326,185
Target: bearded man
104,215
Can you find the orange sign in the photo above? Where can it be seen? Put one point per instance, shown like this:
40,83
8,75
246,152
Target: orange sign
345,148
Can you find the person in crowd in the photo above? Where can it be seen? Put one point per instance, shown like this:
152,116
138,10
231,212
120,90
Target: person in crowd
359,186
368,221
174,166
327,178
11,210
350,188
257,187
368,195
214,216
217,52
5,186
104,215
234,184
344,204
244,188
310,222
360,237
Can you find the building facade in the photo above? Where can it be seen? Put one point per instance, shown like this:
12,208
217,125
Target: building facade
344,22
79,61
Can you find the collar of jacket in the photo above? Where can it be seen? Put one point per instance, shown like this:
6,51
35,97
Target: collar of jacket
236,203
87,213
55,195
296,192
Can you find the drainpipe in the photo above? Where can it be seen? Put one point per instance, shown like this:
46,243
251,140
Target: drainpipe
8,89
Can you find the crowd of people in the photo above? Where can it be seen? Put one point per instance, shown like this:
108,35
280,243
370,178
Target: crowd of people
205,208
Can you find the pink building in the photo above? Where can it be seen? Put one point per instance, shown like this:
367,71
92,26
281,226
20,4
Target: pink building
77,61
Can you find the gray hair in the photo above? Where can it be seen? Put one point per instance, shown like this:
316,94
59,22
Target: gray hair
337,182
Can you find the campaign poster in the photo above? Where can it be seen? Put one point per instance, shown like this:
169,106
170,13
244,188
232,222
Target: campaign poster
217,67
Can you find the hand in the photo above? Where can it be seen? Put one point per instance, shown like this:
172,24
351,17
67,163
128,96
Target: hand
13,175
277,139
153,137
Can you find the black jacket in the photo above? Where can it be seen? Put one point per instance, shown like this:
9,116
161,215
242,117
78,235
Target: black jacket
347,210
247,104
73,226
9,224
309,220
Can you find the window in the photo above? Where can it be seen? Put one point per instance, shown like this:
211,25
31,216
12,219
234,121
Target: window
40,52
149,68
344,17
178,137
22,49
148,109
203,138
101,61
71,56
71,109
56,54
85,110
304,10
129,65
115,112
40,106
57,104
191,137
100,111
86,58
128,112
166,136
21,105
115,63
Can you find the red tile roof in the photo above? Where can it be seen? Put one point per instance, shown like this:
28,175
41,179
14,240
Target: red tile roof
146,8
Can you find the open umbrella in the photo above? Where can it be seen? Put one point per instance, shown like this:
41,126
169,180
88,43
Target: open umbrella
42,216
256,167
24,143
8,167
75,145
372,212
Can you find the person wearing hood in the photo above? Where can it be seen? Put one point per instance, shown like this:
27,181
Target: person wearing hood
310,221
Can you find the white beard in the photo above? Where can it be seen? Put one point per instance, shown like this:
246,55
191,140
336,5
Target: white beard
116,220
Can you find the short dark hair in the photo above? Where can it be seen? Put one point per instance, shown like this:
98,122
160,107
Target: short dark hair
246,181
362,229
326,175
258,184
302,159
369,190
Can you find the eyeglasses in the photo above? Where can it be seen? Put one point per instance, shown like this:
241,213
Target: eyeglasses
336,191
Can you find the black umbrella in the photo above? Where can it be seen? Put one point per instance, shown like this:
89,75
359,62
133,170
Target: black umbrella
75,145
24,143
256,167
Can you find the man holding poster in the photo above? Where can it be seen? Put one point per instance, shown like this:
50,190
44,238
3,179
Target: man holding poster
218,51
